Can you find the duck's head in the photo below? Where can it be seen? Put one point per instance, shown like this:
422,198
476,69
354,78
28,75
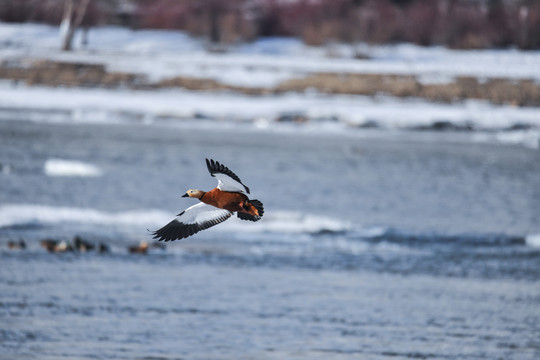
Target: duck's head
194,193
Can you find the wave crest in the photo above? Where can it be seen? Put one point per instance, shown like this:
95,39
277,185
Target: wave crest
61,167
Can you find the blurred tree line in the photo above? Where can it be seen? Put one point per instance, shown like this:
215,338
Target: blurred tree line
453,23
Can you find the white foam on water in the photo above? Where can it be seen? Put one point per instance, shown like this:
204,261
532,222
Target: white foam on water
61,167
529,138
289,222
533,240
276,222
30,214
287,228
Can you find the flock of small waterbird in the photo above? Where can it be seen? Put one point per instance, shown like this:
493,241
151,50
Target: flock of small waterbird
82,246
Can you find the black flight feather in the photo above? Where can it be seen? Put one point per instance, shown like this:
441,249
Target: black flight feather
176,230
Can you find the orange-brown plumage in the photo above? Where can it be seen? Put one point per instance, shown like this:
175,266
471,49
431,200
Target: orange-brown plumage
232,201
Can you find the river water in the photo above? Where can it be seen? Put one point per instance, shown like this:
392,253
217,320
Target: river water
374,245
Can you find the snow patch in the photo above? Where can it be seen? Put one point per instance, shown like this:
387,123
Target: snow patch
265,62
30,214
533,240
60,167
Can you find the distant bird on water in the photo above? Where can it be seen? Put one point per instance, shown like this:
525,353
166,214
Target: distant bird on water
216,206
17,245
142,248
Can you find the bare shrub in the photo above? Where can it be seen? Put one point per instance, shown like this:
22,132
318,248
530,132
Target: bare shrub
454,23
529,27
220,21
421,22
46,11
163,14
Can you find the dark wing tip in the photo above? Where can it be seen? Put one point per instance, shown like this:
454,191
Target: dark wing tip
246,216
215,167
175,230
210,166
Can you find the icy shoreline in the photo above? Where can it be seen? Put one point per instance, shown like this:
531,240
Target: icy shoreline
314,112
177,53
119,57
118,54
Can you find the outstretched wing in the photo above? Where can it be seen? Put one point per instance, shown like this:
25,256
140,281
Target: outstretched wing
192,220
227,180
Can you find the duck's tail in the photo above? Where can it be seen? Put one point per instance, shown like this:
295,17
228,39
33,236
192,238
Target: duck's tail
254,211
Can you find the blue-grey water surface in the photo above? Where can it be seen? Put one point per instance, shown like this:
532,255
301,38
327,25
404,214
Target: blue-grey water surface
434,260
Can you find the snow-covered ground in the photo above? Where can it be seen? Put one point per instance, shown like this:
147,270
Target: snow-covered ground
168,53
266,62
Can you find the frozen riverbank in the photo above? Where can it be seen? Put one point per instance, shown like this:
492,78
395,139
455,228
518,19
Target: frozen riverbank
159,76
317,113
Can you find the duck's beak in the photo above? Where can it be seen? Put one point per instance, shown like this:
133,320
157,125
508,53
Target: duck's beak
185,195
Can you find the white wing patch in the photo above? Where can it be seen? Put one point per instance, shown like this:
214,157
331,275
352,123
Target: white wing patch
226,183
201,213
194,219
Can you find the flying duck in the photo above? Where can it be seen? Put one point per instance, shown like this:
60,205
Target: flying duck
216,206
